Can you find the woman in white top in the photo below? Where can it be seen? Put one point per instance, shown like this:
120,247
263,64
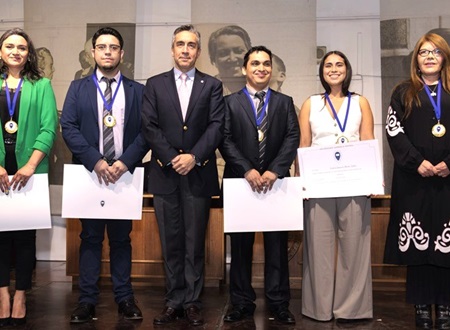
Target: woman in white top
341,287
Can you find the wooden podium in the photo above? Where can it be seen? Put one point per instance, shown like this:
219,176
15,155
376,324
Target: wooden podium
147,263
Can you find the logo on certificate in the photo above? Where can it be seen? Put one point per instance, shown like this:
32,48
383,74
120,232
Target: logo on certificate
337,155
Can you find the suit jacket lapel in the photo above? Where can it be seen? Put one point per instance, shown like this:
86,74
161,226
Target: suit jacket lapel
247,107
171,87
92,95
197,87
128,90
271,107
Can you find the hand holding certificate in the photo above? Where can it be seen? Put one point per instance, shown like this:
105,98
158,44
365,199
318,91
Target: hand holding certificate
85,197
341,170
27,208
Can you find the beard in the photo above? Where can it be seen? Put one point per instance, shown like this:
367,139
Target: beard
108,67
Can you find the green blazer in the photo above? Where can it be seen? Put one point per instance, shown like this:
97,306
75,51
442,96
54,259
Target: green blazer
38,119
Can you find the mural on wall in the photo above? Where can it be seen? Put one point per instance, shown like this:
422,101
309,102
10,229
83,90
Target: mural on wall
60,154
398,38
226,48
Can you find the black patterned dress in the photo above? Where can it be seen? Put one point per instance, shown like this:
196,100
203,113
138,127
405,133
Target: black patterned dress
419,225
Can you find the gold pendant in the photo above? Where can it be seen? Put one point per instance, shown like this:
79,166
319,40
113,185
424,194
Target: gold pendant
109,121
260,135
438,130
341,140
11,126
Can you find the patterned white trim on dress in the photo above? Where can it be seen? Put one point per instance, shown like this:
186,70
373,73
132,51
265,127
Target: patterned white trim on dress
410,230
442,242
393,124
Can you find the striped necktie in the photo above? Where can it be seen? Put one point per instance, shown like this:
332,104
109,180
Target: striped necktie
108,136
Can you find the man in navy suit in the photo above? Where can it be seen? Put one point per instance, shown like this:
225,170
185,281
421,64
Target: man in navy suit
182,118
100,105
260,143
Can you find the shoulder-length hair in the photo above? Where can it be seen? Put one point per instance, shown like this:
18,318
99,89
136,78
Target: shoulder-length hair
31,69
348,75
416,83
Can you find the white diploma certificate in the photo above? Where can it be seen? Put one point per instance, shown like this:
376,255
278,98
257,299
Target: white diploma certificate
27,208
84,197
277,210
341,170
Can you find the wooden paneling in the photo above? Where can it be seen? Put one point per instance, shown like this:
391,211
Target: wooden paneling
147,263
384,277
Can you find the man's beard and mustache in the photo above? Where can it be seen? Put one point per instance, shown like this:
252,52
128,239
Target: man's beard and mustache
108,67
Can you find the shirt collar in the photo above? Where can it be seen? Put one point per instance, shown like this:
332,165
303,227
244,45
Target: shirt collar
190,73
252,91
100,75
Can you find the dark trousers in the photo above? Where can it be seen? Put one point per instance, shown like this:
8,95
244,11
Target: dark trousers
182,220
276,270
23,245
92,235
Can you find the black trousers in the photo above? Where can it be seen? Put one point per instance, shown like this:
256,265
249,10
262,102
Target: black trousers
21,244
182,221
428,285
276,270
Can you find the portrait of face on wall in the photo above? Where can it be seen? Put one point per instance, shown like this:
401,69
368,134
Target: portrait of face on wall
45,62
60,154
227,46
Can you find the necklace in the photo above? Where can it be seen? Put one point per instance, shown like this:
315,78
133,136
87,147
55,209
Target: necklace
432,91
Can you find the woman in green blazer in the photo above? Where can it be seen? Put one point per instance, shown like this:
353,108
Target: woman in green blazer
28,119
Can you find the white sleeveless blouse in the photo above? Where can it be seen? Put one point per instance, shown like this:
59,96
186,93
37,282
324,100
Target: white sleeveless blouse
325,129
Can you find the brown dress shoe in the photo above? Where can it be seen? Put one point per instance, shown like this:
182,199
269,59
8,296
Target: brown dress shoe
194,315
168,315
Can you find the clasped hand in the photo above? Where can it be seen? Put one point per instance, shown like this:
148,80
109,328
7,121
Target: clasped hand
109,173
260,183
426,169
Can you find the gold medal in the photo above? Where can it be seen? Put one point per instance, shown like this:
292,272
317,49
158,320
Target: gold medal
11,126
109,121
341,140
438,130
260,135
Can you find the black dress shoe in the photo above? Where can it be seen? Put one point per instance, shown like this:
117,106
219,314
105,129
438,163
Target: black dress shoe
237,314
83,313
283,315
130,310
194,315
423,317
4,321
16,321
168,315
442,320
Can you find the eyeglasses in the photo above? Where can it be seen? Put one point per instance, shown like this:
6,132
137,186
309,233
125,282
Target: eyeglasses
112,48
426,52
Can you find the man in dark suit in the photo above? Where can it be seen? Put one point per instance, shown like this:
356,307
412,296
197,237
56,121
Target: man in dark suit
101,124
182,120
260,142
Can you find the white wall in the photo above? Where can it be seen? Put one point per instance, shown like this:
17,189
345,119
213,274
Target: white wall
353,27
348,25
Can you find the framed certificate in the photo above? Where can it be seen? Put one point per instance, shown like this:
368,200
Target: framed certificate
340,170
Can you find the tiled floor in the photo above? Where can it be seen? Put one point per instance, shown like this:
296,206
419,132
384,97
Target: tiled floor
53,297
